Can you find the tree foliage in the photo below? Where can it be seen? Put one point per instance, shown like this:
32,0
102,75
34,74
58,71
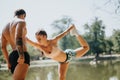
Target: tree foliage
67,41
96,35
116,40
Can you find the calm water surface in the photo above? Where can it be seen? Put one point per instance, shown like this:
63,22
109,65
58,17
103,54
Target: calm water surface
104,70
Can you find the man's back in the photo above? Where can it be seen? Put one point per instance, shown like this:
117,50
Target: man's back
8,33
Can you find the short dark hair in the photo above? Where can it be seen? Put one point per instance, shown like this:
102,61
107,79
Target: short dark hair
19,12
41,32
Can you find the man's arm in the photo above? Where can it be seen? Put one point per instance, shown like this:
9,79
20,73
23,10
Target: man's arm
19,38
4,50
61,35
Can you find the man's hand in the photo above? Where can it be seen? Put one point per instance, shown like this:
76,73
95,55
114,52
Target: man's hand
9,66
20,60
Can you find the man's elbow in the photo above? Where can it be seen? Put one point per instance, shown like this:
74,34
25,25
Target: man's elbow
3,49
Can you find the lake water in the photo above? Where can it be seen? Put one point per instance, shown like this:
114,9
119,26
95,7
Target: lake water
104,70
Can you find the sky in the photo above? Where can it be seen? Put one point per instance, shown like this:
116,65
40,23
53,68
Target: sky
42,13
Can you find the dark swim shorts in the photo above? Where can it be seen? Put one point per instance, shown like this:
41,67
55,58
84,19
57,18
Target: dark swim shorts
70,54
13,57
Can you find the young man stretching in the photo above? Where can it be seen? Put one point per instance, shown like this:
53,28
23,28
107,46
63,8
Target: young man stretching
51,50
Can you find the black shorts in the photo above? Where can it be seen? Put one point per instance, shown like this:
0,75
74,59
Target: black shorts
13,57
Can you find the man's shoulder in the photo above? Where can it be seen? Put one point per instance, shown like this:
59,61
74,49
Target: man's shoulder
17,20
6,28
21,21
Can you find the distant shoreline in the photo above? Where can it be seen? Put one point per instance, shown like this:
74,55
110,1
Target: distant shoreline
49,62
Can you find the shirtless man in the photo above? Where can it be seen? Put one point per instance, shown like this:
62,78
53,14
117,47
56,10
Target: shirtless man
51,50
14,34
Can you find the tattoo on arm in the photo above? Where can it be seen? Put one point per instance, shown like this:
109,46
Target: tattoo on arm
19,44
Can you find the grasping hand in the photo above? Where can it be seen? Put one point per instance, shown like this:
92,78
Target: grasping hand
9,66
72,27
73,30
21,60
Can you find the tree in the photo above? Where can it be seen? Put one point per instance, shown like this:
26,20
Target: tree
60,25
116,40
109,46
96,35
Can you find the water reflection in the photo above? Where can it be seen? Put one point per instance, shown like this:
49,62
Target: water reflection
49,76
43,73
105,70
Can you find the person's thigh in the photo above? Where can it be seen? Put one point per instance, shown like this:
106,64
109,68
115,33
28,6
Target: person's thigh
20,71
63,67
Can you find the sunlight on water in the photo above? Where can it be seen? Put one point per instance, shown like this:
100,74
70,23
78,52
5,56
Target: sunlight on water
49,76
113,78
37,78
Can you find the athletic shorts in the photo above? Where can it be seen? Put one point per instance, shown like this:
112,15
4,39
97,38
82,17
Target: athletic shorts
70,55
13,57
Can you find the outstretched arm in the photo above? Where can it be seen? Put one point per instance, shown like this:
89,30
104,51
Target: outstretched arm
61,35
34,44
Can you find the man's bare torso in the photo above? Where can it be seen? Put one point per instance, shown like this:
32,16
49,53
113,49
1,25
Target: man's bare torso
54,52
9,33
